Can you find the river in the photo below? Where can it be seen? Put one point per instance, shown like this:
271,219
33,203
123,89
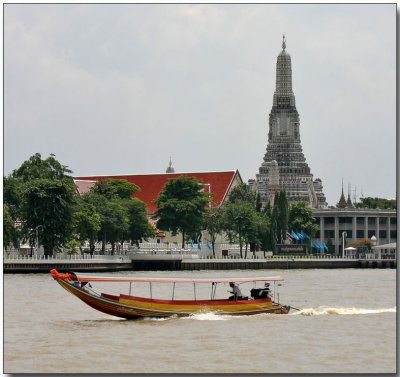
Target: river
347,324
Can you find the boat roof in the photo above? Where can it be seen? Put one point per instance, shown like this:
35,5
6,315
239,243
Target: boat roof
81,276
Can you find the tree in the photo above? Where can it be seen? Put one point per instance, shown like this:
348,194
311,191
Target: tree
269,242
139,226
243,193
280,214
213,224
111,188
121,216
12,199
47,209
181,204
8,227
301,218
240,222
47,194
87,223
114,222
373,203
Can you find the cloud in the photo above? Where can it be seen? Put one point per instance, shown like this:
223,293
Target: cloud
120,88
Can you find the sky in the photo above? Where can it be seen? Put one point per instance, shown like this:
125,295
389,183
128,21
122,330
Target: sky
121,88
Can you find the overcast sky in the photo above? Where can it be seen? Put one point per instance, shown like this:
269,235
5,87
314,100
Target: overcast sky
113,89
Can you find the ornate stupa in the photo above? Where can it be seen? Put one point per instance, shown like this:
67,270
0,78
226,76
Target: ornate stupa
170,169
284,165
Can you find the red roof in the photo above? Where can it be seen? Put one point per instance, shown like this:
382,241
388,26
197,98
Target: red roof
218,183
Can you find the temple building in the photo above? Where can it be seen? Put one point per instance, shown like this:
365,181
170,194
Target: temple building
284,165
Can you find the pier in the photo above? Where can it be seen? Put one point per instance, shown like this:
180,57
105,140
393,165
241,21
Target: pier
167,261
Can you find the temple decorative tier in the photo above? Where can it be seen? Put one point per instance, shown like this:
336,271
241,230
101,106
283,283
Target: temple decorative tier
284,165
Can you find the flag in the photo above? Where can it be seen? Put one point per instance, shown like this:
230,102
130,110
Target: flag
289,236
305,235
199,245
299,235
208,245
191,244
294,235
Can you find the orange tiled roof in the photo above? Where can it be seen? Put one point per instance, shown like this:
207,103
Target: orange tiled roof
151,184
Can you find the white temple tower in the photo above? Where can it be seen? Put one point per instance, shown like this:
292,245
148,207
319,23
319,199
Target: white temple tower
284,165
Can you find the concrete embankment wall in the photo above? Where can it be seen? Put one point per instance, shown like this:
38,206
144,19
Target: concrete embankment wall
176,264
43,267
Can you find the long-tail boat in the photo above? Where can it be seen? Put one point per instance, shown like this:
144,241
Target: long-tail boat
134,307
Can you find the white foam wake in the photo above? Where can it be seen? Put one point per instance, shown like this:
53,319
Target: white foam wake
341,311
208,316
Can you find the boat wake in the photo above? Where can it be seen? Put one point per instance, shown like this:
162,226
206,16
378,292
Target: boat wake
341,311
208,316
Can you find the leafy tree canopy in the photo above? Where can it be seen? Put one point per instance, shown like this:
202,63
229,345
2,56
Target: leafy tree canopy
36,168
139,227
301,217
213,223
240,222
110,188
41,194
242,192
374,203
181,204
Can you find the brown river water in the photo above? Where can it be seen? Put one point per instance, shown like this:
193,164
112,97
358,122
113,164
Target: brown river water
347,323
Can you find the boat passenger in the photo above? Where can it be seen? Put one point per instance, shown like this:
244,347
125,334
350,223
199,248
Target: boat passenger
236,292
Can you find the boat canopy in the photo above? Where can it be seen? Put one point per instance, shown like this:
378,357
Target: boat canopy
159,279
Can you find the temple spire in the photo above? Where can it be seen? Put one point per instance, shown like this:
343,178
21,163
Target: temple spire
283,43
170,169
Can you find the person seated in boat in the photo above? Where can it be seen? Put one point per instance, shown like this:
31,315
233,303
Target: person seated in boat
257,293
236,292
265,292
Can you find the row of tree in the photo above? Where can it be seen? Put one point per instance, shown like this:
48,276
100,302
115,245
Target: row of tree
42,206
375,203
182,207
41,198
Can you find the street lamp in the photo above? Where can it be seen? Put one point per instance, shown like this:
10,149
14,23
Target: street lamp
344,235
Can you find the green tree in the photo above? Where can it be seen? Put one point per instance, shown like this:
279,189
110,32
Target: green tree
47,212
242,192
8,227
114,222
301,218
139,227
269,242
87,224
374,203
213,224
181,204
280,214
12,199
121,216
46,194
240,222
111,188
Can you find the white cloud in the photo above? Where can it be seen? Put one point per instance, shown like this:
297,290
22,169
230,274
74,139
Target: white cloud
120,88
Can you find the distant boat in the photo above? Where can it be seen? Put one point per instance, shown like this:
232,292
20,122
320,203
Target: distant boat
135,307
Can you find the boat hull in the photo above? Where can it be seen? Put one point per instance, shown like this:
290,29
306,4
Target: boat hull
130,307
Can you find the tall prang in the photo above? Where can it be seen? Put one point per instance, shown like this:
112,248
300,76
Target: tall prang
284,165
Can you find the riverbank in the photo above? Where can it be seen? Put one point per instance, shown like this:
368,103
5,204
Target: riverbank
178,262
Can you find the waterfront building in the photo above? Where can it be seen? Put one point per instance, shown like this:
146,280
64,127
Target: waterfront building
219,184
355,224
284,166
